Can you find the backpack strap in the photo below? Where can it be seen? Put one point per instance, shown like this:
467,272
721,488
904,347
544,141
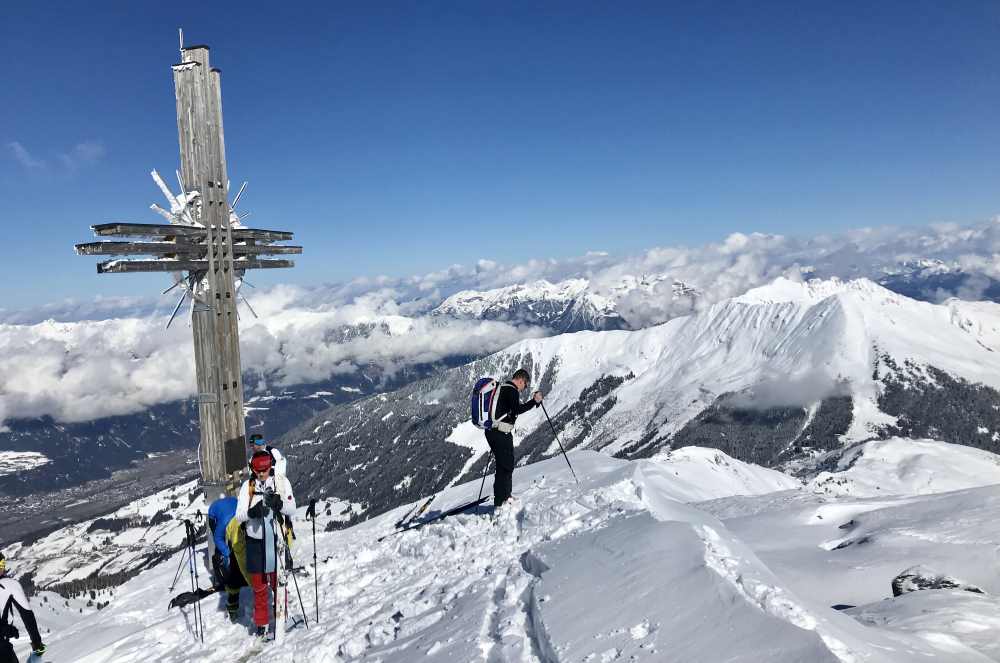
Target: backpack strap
274,461
250,484
499,424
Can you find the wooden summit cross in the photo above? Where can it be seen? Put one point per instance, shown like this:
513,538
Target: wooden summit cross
207,250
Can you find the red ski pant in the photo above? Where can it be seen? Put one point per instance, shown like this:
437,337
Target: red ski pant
260,598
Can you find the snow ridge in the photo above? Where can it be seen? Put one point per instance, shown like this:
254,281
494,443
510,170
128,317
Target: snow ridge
770,598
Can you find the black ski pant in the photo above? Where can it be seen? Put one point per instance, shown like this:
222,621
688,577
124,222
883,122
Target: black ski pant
7,654
502,445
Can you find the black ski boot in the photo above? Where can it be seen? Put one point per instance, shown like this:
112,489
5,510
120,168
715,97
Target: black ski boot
261,632
233,606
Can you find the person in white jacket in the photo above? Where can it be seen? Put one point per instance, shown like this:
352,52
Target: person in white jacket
264,503
12,599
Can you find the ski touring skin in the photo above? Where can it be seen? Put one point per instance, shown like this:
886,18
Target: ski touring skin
440,516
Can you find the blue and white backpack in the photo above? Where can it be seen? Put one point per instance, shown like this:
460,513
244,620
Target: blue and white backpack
484,403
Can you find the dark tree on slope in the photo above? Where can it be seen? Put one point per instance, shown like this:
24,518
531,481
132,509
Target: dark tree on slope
753,435
832,419
929,403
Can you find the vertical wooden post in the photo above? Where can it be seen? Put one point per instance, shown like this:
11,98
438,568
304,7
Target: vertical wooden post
214,323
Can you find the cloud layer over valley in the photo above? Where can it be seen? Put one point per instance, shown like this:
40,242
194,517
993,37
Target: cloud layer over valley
77,361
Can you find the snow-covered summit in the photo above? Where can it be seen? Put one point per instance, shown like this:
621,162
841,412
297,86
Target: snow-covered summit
569,305
783,289
478,302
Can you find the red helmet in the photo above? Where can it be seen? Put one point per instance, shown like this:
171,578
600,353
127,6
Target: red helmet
260,461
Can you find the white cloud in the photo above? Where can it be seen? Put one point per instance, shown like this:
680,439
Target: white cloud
24,157
80,371
83,154
790,391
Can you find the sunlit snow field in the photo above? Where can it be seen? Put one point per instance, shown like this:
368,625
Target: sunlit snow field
689,557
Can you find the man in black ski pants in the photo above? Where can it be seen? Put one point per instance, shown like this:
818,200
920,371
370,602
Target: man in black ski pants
500,437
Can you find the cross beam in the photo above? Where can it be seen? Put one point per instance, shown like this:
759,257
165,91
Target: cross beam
179,248
124,229
146,266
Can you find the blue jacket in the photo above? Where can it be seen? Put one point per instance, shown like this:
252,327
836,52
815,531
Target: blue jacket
219,514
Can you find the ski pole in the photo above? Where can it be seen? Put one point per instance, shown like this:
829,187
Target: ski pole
485,472
295,580
187,538
180,565
192,541
311,512
560,442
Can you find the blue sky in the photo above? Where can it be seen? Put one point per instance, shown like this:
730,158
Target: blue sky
384,137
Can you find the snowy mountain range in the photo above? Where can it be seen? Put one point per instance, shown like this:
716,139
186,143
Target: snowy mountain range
568,306
789,375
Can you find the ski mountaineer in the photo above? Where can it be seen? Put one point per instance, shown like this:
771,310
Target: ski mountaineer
225,563
278,462
500,436
12,596
265,502
278,466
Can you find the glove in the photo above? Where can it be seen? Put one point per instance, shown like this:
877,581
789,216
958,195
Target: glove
219,567
258,510
273,500
39,650
10,632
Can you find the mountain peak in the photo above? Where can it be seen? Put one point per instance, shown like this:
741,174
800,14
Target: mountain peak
783,289
568,305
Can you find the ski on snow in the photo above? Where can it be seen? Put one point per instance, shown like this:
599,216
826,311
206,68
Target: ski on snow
440,516
415,512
